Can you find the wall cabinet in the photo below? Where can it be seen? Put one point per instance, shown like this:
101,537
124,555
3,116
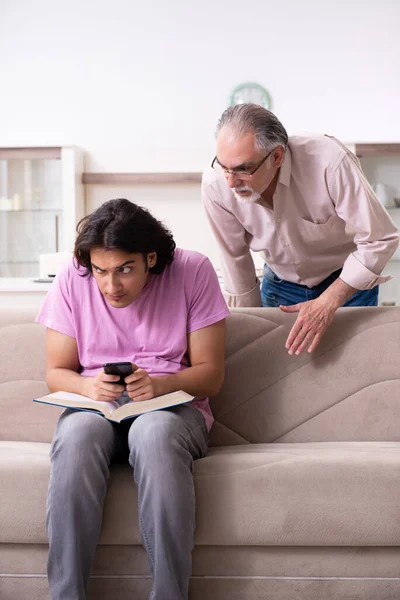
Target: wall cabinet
41,200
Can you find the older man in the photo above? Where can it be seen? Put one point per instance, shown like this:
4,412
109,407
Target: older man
305,204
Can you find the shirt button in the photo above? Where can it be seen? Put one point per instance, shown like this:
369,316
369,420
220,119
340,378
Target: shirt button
286,243
278,220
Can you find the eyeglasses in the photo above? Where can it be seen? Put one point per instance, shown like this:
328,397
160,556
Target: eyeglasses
240,173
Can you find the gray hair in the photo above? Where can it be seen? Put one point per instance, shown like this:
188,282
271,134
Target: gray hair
252,118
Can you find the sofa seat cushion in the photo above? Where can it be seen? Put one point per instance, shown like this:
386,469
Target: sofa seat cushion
300,494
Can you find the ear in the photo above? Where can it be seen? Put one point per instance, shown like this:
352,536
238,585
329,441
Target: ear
278,156
151,259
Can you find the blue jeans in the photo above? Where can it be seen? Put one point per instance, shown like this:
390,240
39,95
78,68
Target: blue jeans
275,291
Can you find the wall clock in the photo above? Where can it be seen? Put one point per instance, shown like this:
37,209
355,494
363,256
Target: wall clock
250,92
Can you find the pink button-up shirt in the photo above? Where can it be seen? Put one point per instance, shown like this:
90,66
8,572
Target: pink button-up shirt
326,217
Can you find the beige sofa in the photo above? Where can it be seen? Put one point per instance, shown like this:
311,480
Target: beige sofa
299,496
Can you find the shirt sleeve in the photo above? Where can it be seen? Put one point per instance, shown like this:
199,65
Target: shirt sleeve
242,287
376,236
56,311
207,304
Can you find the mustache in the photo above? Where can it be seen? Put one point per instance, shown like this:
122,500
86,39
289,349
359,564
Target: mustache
243,188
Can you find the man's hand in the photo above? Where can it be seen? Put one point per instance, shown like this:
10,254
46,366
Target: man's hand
140,386
102,387
314,318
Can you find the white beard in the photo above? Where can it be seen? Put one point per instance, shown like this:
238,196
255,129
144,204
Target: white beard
254,196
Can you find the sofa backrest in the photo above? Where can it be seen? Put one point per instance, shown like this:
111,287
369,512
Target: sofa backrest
22,378
348,389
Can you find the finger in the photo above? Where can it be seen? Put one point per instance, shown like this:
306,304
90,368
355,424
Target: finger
106,397
132,378
111,389
110,378
141,397
294,332
135,389
135,385
136,376
299,340
111,385
306,341
315,342
143,390
290,309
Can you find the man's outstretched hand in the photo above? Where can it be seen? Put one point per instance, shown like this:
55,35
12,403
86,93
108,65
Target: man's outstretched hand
313,320
315,316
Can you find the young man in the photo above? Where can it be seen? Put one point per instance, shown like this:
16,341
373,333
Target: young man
129,295
305,204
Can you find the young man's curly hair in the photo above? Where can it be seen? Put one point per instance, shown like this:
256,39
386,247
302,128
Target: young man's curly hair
122,225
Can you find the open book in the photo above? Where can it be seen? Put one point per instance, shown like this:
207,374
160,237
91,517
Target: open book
113,411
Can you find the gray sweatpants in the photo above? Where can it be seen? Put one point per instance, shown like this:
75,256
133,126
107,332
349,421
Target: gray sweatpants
162,446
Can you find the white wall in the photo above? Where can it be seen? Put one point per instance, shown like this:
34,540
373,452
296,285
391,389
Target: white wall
140,85
179,207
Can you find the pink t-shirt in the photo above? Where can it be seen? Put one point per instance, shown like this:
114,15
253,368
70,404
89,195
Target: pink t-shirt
152,331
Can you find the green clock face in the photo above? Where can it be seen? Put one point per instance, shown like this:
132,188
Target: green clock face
250,92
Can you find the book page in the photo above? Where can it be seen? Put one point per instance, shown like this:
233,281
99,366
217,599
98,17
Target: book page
132,409
70,399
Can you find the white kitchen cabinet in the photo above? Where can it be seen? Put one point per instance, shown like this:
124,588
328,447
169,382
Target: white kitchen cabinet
41,201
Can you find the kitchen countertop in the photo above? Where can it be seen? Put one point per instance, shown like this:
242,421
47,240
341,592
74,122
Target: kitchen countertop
22,285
